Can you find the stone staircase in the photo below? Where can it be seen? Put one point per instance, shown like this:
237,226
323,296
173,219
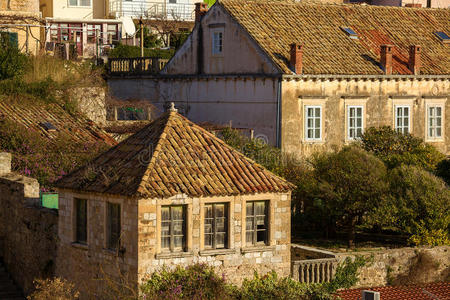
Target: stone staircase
8,289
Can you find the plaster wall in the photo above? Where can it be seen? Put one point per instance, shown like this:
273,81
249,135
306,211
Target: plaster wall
237,261
378,97
62,9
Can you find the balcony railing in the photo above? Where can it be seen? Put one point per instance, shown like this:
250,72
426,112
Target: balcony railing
314,270
152,10
135,66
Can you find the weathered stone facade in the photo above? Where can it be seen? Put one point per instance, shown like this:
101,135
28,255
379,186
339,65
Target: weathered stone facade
28,233
377,96
92,102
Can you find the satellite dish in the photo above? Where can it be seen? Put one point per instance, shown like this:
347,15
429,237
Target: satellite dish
128,26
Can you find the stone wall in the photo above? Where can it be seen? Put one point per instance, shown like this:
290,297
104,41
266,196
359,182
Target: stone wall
404,266
28,233
238,260
91,102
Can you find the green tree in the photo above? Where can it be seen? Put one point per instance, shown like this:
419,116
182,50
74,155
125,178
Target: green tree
395,148
421,204
13,63
352,183
443,170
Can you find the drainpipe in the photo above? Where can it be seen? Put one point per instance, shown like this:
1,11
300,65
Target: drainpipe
278,125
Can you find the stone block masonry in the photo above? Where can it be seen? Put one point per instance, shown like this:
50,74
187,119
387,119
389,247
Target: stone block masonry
28,233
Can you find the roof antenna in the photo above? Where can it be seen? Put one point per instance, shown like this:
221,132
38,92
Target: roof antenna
172,107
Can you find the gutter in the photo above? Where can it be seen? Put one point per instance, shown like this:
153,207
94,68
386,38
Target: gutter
367,77
278,119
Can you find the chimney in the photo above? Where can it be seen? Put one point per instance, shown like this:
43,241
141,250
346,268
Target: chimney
5,163
296,59
386,58
200,10
416,5
414,63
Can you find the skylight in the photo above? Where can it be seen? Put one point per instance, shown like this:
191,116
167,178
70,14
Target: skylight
442,36
48,126
350,32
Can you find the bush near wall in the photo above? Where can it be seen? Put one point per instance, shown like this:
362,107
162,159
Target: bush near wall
125,51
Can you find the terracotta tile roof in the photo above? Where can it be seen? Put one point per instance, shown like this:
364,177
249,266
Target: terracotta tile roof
78,128
170,156
274,25
431,291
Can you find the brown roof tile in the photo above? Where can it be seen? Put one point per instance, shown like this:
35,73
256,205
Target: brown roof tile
170,156
274,25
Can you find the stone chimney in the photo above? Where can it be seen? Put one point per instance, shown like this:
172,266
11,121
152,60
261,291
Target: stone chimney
200,10
296,59
386,58
414,63
5,163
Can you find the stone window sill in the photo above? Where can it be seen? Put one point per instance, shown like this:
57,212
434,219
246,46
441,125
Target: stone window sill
80,246
437,140
211,252
173,255
257,249
111,252
313,141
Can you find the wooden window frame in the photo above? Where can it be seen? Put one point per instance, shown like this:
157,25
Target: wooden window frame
401,129
113,245
349,128
255,230
77,237
214,226
314,117
214,51
434,117
171,235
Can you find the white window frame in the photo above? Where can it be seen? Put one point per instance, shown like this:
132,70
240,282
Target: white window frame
349,107
314,138
428,122
214,50
78,4
396,116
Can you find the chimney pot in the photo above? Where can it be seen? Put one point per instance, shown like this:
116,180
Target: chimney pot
200,10
415,62
296,58
386,58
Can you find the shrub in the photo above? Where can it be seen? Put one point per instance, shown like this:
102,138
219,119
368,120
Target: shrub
54,289
443,170
352,182
422,203
13,63
395,148
197,281
125,51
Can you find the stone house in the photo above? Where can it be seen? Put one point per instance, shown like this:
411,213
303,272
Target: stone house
171,194
309,77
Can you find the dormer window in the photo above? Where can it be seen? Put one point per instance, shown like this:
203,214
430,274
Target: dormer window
350,32
217,42
443,36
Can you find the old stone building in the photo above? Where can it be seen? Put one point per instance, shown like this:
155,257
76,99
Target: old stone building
309,77
171,194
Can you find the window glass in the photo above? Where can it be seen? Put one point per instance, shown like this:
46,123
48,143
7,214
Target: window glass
434,121
113,215
355,122
217,42
256,222
73,2
173,228
216,229
92,30
81,221
402,119
313,122
54,32
85,2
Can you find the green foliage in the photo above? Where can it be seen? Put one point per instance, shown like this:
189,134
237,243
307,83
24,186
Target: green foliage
40,90
346,274
151,40
125,51
352,182
420,203
395,148
13,63
443,170
178,39
193,282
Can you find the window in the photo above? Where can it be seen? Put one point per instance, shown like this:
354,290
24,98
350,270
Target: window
434,122
350,32
402,119
256,223
81,221
216,223
217,43
173,228
113,225
79,2
112,32
172,1
54,33
313,122
355,122
443,36
92,31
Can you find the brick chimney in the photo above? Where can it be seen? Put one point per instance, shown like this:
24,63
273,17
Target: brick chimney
296,59
416,5
386,58
200,10
415,63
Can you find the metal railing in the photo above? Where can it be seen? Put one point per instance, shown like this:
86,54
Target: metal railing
152,10
135,66
314,270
